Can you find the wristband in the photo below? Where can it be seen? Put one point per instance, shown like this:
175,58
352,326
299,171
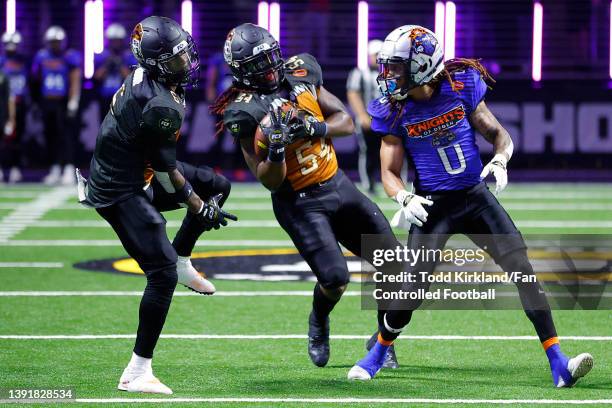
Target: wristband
184,193
401,197
500,159
276,153
319,129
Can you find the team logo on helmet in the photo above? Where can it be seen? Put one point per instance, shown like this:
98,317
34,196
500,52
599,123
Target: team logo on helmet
423,42
227,48
135,41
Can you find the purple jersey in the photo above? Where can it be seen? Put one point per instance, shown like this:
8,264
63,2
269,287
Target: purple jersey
113,79
52,70
15,68
437,135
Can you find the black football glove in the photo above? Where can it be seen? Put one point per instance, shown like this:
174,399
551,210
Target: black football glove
277,131
212,216
306,126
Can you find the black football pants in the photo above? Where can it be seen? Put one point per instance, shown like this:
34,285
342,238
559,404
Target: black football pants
142,231
476,213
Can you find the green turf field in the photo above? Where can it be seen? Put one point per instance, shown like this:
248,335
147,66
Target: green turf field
66,327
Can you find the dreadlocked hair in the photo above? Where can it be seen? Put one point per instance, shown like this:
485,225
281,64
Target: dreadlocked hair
219,105
460,64
450,67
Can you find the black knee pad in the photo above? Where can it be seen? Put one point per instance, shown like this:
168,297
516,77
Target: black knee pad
222,185
334,278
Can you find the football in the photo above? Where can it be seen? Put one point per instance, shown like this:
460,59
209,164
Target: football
261,141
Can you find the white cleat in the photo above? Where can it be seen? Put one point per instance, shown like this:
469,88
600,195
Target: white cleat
146,383
14,175
54,175
68,177
580,365
359,374
191,278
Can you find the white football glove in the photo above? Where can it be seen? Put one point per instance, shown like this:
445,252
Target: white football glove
497,166
412,210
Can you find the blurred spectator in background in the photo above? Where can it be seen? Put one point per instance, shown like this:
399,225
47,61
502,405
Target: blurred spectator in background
218,79
112,65
14,66
361,88
7,114
57,75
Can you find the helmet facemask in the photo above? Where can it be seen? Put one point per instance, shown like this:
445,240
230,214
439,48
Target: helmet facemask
262,71
182,68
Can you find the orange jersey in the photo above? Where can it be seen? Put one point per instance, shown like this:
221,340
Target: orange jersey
310,161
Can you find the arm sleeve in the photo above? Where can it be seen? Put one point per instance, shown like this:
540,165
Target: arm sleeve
354,81
240,123
476,89
160,126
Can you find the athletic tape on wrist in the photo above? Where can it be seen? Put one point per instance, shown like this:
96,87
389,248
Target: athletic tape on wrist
276,154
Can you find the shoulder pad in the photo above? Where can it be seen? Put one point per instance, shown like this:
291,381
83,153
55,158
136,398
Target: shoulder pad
165,121
379,107
303,68
239,122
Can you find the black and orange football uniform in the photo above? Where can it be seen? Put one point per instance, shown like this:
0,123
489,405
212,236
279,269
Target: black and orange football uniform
308,161
317,205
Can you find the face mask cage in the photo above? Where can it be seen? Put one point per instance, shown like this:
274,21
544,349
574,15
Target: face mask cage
182,68
391,72
263,70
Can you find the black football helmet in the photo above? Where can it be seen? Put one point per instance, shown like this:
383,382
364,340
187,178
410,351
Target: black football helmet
254,57
165,50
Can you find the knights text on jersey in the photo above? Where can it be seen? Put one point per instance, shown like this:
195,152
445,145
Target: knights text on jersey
142,113
308,161
437,135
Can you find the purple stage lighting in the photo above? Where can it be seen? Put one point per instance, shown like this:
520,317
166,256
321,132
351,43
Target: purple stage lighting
262,14
274,20
536,59
362,35
439,23
94,34
10,16
449,30
187,16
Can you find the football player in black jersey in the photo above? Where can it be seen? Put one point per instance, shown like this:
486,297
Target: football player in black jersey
314,202
134,175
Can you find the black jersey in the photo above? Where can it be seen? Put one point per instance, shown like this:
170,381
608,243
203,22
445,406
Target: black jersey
143,115
309,160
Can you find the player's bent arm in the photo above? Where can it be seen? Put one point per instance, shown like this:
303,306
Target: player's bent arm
171,179
339,122
270,174
483,120
391,162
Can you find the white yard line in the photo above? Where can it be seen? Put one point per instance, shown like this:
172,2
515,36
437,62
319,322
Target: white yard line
511,203
441,337
370,401
112,243
26,214
274,224
31,265
89,293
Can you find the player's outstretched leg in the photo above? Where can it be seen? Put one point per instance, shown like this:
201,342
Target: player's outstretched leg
206,184
565,371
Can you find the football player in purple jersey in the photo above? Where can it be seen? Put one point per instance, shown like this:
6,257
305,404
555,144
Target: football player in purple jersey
430,112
